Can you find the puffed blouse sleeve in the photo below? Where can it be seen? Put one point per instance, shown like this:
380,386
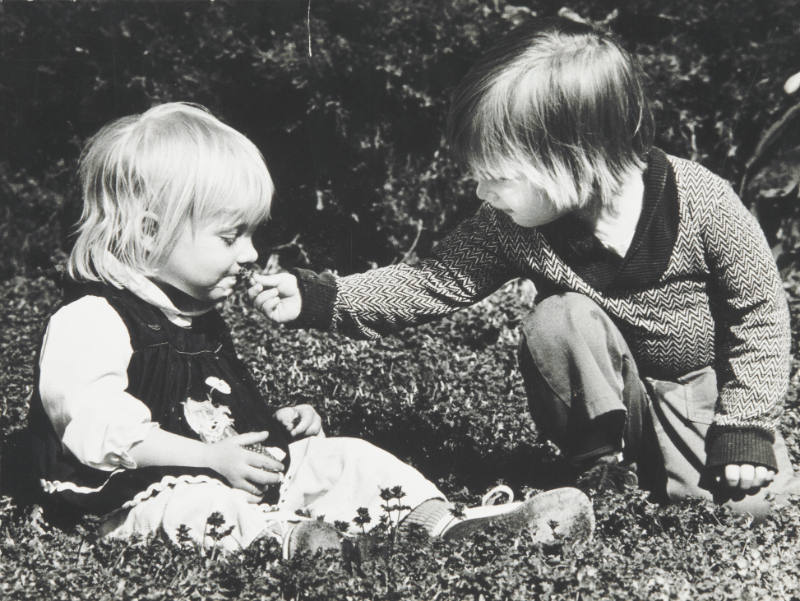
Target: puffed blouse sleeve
83,380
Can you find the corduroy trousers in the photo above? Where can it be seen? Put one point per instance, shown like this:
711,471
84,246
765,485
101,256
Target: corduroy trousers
586,395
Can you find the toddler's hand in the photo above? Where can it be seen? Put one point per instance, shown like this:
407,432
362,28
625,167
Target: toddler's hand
276,295
300,421
248,470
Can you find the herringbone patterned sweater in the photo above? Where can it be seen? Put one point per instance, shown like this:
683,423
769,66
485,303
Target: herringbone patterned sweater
720,302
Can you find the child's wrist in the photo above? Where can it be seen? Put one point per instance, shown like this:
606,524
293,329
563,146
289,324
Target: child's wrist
317,298
208,456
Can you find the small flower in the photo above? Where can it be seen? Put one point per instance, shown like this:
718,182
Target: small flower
341,526
362,518
210,422
792,84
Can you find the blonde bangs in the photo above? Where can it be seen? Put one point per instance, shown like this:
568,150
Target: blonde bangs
233,187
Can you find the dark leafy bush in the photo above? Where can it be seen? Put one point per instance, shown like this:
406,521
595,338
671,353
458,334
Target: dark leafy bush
347,100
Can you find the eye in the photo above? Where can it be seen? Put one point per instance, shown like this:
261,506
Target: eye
230,235
230,238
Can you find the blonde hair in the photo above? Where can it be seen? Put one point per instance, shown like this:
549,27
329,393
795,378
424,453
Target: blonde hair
559,103
143,176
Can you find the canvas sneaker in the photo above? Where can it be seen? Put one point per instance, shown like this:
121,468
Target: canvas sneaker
561,514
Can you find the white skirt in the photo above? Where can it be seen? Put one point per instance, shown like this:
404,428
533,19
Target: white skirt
328,478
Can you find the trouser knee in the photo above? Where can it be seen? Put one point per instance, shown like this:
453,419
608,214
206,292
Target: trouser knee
559,320
578,372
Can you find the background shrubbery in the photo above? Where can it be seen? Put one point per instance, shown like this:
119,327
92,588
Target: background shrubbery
348,108
347,105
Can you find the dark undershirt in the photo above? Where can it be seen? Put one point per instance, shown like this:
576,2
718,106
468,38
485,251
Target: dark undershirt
650,249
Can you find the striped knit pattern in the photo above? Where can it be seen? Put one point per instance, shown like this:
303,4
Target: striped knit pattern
720,301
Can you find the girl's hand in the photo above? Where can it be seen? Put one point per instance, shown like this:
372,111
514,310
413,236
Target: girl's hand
250,471
300,421
276,295
746,477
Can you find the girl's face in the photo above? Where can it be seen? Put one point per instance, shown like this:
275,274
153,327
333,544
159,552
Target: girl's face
524,203
206,259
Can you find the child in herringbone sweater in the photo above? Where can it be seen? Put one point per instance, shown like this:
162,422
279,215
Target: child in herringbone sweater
144,414
658,348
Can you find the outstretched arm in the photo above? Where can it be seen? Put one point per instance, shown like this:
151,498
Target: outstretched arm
466,266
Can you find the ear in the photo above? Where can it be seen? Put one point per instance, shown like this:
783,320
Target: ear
148,227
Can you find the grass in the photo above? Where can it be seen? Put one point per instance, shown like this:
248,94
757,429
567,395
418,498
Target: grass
446,397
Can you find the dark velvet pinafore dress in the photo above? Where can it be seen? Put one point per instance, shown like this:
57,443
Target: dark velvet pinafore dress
169,365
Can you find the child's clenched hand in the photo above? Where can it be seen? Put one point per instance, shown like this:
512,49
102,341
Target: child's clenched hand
276,295
248,470
300,421
746,477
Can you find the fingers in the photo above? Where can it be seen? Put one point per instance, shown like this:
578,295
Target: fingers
747,474
301,420
274,280
287,416
276,295
249,438
267,302
263,462
278,284
254,480
747,477
249,488
262,478
309,424
764,476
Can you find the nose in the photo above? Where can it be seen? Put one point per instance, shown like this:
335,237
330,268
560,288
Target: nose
247,252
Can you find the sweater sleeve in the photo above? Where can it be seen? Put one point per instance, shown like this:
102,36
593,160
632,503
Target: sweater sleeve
83,377
754,335
465,267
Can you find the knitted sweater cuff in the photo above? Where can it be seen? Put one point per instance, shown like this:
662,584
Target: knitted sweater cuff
753,446
318,292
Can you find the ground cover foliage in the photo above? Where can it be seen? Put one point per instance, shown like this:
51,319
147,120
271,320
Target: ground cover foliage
346,98
445,397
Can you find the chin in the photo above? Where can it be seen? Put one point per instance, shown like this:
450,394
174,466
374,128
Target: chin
526,222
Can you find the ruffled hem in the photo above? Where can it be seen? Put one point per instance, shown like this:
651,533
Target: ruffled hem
56,486
165,483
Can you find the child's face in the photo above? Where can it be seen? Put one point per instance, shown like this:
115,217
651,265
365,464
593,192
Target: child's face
206,260
524,203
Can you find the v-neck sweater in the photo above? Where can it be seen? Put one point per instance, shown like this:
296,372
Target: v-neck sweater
698,287
649,250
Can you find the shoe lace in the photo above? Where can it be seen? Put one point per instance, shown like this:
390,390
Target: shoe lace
493,495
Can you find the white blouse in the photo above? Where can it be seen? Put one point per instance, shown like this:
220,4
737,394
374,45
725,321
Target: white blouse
83,376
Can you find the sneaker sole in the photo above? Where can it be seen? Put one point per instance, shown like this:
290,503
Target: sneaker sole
311,536
561,514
